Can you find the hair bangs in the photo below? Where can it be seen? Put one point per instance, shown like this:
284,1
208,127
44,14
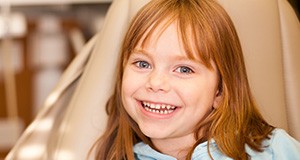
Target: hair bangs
194,32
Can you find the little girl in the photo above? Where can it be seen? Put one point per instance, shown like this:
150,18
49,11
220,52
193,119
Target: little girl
183,93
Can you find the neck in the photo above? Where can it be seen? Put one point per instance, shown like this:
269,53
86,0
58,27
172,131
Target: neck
177,147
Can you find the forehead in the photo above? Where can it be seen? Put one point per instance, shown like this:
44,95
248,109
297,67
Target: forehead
162,36
168,34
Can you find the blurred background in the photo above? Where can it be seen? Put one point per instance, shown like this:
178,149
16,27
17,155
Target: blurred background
38,39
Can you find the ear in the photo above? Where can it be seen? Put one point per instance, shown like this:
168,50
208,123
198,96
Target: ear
217,99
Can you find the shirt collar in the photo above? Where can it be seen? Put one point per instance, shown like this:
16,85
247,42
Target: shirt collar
143,150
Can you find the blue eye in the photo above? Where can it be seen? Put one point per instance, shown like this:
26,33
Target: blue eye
142,64
184,69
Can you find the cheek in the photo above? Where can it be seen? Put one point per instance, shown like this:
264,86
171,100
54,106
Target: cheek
125,88
197,94
129,84
129,89
126,98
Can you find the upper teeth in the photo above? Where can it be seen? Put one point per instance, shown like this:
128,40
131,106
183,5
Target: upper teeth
158,106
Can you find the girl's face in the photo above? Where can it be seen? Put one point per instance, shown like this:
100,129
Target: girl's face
166,93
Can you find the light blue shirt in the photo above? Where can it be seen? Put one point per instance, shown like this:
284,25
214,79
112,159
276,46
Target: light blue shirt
280,146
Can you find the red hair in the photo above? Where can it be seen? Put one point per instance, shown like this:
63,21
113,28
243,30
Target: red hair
208,33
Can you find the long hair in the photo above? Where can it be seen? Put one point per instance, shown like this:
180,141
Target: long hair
207,33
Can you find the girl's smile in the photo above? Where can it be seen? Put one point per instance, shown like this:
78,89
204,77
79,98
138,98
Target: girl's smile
157,110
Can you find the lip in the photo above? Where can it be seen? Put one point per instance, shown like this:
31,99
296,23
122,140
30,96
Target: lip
149,114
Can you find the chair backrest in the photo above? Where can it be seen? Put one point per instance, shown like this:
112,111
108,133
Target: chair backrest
74,114
270,36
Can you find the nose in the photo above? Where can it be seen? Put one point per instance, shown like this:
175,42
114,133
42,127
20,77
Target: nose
158,82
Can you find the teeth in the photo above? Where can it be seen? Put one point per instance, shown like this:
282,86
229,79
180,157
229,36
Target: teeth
168,106
158,108
152,106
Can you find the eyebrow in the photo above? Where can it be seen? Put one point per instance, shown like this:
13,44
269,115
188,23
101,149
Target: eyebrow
177,58
140,51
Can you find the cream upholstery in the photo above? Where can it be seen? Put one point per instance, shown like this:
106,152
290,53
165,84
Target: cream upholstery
74,116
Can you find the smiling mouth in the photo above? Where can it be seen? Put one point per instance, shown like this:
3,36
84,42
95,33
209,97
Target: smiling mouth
158,108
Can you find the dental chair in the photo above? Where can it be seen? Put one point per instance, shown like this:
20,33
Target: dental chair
74,116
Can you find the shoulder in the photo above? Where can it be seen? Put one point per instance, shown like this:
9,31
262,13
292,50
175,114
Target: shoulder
280,146
284,146
281,136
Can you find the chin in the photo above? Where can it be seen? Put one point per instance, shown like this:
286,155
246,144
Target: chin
158,134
